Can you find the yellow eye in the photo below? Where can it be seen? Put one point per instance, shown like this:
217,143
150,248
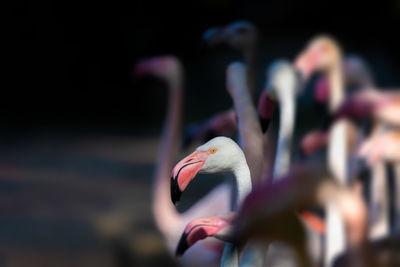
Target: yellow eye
212,150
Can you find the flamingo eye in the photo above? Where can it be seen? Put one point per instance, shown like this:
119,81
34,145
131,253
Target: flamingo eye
212,150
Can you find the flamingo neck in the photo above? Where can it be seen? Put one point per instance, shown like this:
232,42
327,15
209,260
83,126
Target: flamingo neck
175,85
337,164
286,127
250,133
164,212
337,147
243,181
230,256
335,78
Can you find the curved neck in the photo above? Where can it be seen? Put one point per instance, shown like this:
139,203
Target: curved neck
286,127
243,182
337,144
230,256
337,164
164,212
335,78
251,137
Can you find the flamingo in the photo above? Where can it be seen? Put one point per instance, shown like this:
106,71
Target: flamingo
382,106
324,54
249,127
382,252
283,79
242,36
373,104
294,191
220,154
268,211
363,102
252,141
283,86
199,229
357,74
361,252
357,78
167,219
383,146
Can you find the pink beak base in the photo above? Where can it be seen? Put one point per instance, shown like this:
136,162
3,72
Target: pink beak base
200,229
266,107
306,63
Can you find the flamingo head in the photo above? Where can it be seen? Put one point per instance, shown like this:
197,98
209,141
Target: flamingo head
322,54
283,80
236,76
168,68
357,73
241,35
202,228
220,154
282,85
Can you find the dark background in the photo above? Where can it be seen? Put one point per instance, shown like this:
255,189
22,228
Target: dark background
68,64
79,136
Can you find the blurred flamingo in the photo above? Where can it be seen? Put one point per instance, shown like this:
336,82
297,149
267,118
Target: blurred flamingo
268,212
324,54
361,252
283,85
379,107
168,220
220,154
242,36
250,133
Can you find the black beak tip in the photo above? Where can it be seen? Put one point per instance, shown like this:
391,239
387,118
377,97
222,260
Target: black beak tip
175,191
264,123
182,245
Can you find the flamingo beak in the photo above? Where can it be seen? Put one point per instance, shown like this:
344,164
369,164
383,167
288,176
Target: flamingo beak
200,229
183,245
306,64
144,67
214,36
184,172
175,191
266,107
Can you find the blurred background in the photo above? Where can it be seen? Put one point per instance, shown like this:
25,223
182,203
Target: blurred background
79,135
